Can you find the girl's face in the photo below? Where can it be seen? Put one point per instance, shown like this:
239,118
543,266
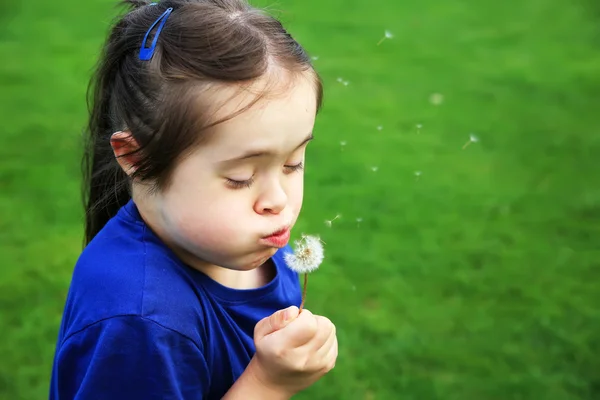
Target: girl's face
242,185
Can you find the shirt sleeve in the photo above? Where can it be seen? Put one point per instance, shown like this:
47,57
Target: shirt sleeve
129,357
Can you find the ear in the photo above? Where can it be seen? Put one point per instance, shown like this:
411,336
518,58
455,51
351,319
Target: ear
124,147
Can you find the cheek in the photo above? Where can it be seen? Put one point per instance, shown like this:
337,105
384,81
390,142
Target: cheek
296,192
204,217
207,215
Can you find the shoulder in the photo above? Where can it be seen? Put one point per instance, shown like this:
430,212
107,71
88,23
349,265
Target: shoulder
128,334
127,357
126,271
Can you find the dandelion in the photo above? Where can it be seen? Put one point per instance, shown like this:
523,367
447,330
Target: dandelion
340,79
306,258
436,99
374,169
387,35
419,126
345,83
330,221
379,127
472,139
358,221
418,174
315,58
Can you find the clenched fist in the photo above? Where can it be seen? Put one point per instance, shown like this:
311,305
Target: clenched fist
293,350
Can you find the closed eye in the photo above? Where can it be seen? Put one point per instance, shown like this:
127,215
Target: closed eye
294,168
239,184
235,184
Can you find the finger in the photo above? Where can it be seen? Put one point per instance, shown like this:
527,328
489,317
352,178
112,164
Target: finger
275,322
331,357
324,330
322,352
301,330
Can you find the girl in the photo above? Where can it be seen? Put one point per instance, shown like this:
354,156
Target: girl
202,112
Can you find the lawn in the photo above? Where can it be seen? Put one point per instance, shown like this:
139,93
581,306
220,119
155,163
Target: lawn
452,273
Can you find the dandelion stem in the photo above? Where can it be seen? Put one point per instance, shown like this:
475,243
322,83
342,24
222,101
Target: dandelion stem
381,41
304,292
466,144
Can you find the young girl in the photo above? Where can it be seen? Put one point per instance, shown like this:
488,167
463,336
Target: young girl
202,112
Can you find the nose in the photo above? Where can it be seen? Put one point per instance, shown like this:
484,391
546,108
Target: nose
272,199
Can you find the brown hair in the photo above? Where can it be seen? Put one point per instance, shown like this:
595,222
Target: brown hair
203,42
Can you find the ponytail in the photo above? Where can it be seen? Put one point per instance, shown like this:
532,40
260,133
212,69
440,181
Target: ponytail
105,188
105,185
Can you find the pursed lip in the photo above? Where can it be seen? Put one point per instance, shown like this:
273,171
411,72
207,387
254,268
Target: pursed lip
279,238
278,232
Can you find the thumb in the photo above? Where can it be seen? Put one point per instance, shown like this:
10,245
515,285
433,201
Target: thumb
274,322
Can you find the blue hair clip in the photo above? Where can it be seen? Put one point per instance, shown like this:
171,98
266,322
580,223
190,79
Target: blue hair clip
147,53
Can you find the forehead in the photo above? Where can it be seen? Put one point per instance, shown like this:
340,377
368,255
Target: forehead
268,113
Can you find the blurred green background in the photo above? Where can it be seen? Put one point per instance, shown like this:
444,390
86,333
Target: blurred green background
451,274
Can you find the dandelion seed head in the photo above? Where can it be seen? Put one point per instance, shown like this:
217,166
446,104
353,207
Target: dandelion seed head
419,126
307,256
343,142
418,173
473,138
388,34
345,83
359,219
374,169
315,58
340,79
379,127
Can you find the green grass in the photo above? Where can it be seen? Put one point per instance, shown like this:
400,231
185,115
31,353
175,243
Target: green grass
478,280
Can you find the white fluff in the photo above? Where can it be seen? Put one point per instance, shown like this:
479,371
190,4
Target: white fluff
307,256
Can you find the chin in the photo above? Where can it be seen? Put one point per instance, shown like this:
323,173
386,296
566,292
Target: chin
257,260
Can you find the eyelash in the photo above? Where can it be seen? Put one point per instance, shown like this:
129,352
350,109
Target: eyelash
248,182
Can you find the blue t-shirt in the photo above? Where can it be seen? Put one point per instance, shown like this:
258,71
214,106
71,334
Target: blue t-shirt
140,324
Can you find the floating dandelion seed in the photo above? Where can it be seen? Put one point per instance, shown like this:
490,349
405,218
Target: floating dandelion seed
345,83
472,139
328,222
387,35
436,99
340,80
358,221
418,174
379,127
306,258
419,126
374,169
315,58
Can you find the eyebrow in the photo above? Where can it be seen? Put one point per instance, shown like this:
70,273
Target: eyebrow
262,153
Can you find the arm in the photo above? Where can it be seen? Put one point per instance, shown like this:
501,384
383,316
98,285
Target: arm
249,387
129,357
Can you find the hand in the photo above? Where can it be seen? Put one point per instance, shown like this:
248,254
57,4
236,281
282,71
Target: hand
293,350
